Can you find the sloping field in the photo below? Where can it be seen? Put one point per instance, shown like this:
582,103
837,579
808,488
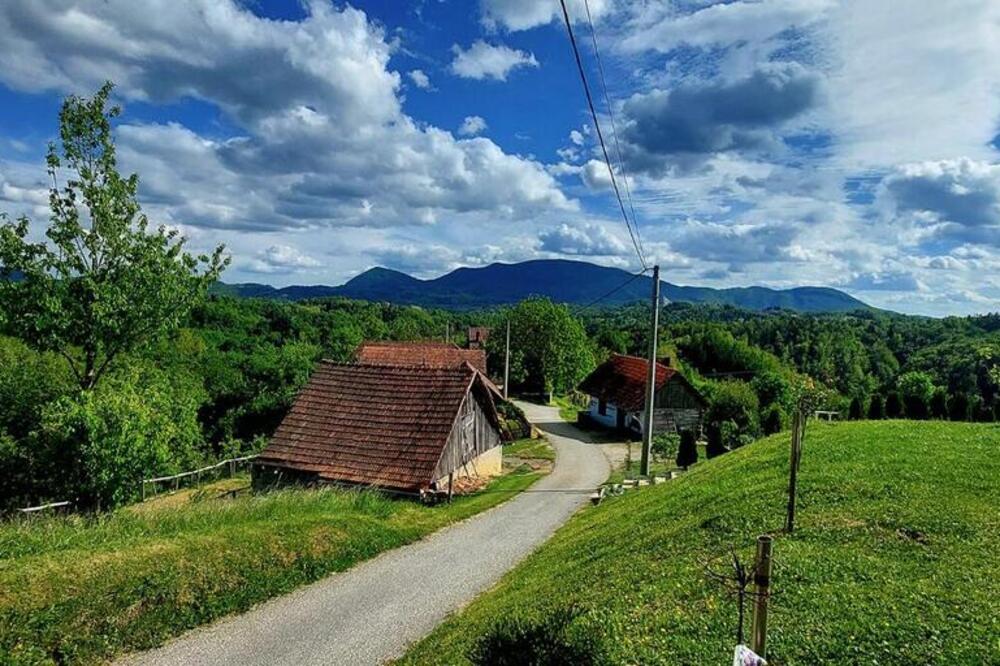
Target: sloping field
894,560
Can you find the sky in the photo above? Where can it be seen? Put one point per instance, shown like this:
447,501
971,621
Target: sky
851,144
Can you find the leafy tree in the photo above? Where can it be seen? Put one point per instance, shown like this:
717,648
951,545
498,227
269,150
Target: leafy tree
939,403
103,284
876,408
916,389
735,401
687,452
958,407
772,388
893,407
774,419
550,350
856,411
713,436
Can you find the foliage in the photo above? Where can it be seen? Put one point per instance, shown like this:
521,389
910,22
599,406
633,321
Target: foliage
550,350
103,284
665,445
958,408
713,436
687,452
916,389
939,403
887,533
876,408
893,406
856,411
131,579
551,641
774,420
735,402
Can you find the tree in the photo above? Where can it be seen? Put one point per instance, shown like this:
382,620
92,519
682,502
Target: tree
774,419
713,435
916,389
893,407
549,349
103,284
856,411
958,407
687,452
772,388
876,408
735,401
939,403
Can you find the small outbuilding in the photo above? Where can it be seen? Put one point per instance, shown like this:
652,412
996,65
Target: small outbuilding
423,353
403,428
617,390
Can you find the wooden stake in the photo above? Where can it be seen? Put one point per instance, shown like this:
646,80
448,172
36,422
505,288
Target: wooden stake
506,363
762,585
793,468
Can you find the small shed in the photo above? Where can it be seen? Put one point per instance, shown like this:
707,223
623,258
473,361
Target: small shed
477,336
617,390
403,428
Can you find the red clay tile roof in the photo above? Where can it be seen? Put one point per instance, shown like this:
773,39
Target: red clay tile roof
427,354
621,380
368,424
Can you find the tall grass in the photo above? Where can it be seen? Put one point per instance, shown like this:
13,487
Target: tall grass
83,589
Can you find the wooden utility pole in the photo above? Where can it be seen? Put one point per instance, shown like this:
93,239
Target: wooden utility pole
798,426
506,362
762,587
647,416
447,332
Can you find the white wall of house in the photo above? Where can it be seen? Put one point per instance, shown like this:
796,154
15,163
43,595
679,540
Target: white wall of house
610,416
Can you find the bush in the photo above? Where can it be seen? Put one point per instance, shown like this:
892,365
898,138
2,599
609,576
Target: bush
876,408
774,420
713,435
856,411
687,451
136,423
916,389
551,641
958,407
735,401
666,445
893,407
939,403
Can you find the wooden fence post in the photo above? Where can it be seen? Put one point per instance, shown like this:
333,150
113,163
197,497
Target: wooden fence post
762,585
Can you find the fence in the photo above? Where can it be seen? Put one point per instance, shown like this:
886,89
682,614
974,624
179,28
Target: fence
45,507
231,464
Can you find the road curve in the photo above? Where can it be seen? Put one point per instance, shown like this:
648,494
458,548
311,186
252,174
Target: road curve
372,612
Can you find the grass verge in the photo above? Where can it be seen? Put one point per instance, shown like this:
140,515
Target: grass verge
893,560
83,590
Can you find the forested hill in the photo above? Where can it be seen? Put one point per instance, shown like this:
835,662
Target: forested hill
573,282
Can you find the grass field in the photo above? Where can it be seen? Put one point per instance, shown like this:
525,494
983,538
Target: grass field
81,590
894,560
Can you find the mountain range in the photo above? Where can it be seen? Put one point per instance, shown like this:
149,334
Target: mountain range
572,282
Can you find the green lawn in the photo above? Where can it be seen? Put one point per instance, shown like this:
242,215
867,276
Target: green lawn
894,560
568,411
538,449
77,590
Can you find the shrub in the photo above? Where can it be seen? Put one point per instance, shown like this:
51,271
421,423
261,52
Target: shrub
713,435
856,411
916,389
893,407
666,445
735,401
551,641
958,407
774,420
939,403
876,408
687,451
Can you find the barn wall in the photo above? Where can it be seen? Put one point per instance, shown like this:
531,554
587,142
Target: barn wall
472,436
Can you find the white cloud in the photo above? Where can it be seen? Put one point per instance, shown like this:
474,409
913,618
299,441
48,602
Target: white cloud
472,125
583,240
489,61
595,176
525,14
281,259
576,137
420,79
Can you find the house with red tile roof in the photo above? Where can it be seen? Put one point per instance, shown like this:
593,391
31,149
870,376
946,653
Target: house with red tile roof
617,390
427,353
405,428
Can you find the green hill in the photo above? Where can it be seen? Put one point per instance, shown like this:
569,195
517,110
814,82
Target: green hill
894,560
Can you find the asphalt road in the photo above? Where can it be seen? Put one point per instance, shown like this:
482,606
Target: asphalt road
372,612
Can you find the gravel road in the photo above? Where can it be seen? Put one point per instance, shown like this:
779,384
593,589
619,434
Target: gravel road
370,613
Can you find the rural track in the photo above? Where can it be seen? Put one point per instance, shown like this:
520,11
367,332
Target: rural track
370,613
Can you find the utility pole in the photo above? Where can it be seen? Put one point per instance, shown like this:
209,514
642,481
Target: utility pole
506,362
647,416
447,331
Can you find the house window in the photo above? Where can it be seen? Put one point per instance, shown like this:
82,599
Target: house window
602,408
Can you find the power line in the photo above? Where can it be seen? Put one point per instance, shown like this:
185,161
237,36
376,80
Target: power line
614,129
600,135
614,291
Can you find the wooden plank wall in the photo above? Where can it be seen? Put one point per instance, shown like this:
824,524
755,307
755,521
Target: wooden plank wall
472,435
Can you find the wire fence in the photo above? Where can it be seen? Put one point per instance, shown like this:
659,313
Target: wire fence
174,482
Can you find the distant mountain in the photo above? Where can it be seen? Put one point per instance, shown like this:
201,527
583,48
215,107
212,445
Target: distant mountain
573,282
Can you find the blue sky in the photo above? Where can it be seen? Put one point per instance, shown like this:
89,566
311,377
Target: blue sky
777,142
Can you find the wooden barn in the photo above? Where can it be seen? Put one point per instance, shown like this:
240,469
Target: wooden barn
403,428
617,390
